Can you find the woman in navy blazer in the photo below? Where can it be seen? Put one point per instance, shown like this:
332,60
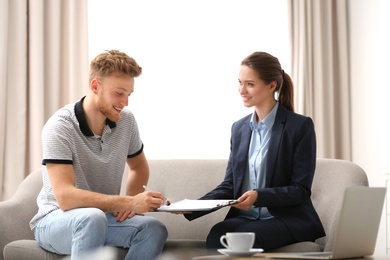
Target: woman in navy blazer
271,163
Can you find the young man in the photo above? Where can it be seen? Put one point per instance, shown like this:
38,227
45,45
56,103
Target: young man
85,148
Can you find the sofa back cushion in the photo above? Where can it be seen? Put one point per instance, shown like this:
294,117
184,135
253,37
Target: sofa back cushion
186,179
331,178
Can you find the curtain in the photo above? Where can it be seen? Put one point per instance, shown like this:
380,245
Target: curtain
320,70
43,66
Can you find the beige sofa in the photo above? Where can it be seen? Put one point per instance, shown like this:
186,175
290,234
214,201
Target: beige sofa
179,179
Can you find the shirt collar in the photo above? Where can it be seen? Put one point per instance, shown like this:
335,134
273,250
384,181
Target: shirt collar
80,115
268,121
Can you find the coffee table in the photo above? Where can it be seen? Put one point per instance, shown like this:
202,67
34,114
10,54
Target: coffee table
264,256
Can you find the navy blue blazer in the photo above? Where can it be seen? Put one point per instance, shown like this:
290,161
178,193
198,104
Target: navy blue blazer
290,169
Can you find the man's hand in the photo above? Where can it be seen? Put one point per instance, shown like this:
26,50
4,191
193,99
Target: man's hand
121,216
246,200
147,201
142,202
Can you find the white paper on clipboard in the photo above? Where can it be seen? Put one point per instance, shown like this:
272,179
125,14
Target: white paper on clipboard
187,205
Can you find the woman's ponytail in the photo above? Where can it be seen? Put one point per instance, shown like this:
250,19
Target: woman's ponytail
286,92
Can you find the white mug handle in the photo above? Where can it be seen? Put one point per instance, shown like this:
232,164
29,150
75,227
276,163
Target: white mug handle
222,240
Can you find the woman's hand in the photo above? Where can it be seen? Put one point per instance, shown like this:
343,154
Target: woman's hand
246,200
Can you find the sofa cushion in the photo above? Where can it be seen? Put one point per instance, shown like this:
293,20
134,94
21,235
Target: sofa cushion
186,179
28,249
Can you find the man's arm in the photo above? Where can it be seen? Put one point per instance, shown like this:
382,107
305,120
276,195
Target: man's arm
137,177
138,174
69,197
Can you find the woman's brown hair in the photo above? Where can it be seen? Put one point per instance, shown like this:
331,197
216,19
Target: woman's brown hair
269,69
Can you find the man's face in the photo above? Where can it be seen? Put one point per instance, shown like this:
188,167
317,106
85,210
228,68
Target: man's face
113,94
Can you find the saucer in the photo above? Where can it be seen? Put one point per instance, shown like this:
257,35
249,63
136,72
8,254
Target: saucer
230,252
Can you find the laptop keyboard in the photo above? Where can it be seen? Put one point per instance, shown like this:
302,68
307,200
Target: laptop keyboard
316,253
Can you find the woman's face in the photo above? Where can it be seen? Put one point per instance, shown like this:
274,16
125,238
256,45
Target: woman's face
253,90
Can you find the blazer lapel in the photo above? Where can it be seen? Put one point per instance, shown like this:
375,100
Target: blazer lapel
276,136
245,137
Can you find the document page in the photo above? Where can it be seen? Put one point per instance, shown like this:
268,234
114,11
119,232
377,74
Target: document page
196,205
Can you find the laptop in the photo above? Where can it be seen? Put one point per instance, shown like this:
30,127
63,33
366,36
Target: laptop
358,227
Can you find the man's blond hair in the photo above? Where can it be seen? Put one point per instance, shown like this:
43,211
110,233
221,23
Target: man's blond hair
113,61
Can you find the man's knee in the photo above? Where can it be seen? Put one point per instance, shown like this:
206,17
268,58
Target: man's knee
92,218
157,228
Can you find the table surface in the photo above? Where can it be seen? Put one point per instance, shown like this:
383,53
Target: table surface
264,256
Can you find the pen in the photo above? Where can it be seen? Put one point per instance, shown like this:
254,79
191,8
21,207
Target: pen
166,201
146,188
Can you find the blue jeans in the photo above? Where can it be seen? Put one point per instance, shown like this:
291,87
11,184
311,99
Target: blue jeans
78,231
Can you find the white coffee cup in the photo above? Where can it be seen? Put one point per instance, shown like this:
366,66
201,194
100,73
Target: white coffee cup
238,241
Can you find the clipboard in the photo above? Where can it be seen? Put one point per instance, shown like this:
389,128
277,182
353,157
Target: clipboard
187,205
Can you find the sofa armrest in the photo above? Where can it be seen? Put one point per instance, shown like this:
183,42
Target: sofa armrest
16,212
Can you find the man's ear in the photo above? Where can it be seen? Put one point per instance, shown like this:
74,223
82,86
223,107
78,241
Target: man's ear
94,85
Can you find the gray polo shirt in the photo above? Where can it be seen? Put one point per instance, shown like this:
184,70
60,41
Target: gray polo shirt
98,161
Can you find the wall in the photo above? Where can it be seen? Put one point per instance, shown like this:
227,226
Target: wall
370,90
187,97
